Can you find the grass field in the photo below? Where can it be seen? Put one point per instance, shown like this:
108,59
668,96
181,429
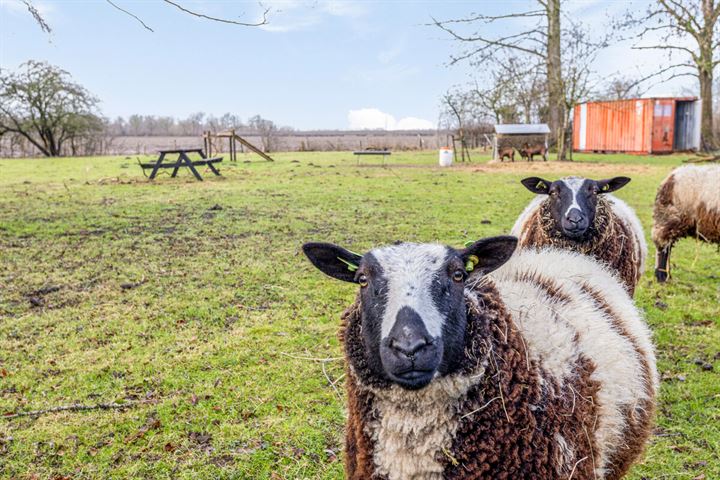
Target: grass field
192,301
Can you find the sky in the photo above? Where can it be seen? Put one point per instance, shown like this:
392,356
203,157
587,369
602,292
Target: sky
317,64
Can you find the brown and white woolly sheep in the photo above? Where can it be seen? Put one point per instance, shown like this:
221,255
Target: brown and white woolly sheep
579,214
543,369
687,205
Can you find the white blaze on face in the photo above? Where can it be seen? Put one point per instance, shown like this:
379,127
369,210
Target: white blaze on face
410,270
574,184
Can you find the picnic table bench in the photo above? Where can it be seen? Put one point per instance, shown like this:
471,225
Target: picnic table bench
183,160
384,154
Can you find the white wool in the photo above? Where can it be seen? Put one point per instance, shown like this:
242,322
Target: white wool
695,185
550,328
519,228
414,428
410,269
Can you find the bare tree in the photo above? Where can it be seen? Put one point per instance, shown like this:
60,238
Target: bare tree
267,130
540,46
621,88
680,23
456,114
523,81
496,101
42,104
578,55
541,41
40,20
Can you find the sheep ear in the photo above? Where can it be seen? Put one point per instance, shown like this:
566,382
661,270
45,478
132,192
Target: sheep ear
488,254
612,184
536,185
333,260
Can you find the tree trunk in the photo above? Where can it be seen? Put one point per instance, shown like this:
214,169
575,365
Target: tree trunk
707,137
554,75
705,76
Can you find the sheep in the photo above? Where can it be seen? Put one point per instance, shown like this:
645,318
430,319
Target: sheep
580,214
687,204
529,151
462,364
508,152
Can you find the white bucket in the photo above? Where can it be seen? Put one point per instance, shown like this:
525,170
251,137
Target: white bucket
446,156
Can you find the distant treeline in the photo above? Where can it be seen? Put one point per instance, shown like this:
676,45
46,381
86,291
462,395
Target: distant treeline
194,125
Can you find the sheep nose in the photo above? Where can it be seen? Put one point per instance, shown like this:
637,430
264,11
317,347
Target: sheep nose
574,217
408,336
409,344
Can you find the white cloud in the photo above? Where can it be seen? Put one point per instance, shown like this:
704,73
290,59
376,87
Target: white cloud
289,15
414,123
374,119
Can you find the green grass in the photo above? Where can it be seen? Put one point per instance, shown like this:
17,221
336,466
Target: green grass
223,304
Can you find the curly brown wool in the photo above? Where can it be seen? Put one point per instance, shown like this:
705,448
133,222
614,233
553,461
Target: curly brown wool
609,240
514,436
358,446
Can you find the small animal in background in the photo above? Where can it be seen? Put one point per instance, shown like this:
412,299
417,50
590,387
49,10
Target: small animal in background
528,152
482,363
687,205
508,152
580,214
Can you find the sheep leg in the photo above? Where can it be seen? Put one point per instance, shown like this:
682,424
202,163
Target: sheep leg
662,264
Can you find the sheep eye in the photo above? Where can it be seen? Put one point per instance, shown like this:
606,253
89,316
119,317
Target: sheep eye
554,193
363,281
458,275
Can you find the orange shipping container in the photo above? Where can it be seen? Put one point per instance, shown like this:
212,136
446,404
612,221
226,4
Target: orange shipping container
644,125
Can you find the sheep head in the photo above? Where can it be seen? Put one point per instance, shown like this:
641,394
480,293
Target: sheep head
413,314
572,201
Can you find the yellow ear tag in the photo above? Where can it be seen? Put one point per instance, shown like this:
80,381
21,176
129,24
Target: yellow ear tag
472,261
540,185
606,187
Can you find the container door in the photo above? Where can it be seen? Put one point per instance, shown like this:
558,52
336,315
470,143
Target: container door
684,123
663,127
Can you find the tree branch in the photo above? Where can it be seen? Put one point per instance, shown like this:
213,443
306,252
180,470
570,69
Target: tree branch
500,42
490,18
130,14
37,16
221,20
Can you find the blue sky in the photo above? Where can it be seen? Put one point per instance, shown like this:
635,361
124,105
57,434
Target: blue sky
317,64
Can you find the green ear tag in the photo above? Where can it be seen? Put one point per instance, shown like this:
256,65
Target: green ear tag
350,266
540,185
606,187
468,243
472,261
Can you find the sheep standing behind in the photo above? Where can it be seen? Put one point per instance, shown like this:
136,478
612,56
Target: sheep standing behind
579,214
542,369
687,205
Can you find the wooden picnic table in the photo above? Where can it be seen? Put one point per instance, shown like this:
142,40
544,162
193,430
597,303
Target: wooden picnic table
183,161
384,154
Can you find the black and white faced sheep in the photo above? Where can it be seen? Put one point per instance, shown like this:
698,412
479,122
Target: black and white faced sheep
579,214
542,369
687,205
